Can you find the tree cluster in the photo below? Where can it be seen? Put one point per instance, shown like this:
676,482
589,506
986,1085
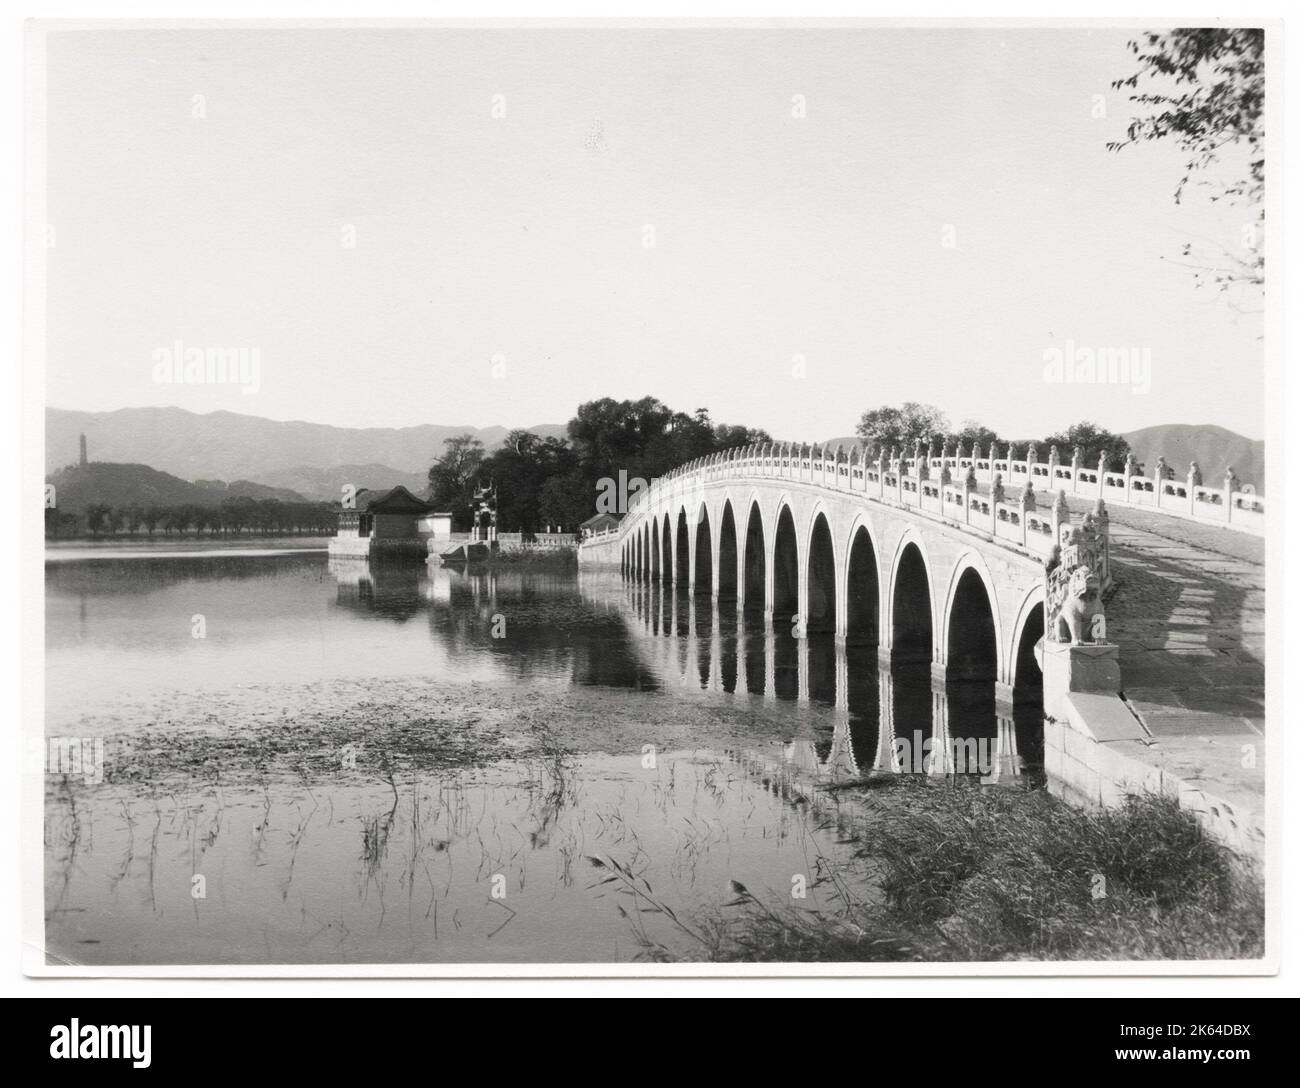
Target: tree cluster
233,517
555,482
903,427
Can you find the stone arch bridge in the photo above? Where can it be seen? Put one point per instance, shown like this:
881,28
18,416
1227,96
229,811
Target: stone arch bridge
938,563
931,559
876,554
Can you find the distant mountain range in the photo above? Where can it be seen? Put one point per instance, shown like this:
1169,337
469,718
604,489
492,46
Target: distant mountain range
313,459
292,460
1212,448
124,485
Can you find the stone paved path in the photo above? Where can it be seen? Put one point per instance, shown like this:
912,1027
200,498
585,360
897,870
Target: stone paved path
1188,615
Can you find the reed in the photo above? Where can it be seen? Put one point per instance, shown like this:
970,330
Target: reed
973,875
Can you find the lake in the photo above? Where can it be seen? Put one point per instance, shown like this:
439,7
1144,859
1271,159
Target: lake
265,756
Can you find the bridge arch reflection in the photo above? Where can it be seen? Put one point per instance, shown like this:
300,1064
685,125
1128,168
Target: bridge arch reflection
850,715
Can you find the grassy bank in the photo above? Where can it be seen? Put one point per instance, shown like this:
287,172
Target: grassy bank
975,875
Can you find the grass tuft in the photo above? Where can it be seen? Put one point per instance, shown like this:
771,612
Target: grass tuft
978,875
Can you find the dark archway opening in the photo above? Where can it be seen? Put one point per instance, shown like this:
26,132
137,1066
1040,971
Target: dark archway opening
727,556
913,635
863,593
654,551
703,555
667,551
971,676
972,635
683,552
785,570
755,563
821,580
1027,695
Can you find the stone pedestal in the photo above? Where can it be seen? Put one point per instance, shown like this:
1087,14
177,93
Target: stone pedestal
1071,667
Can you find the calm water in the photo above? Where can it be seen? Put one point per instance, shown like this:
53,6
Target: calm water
617,722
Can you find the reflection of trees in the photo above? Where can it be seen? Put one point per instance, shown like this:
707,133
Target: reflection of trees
103,577
545,628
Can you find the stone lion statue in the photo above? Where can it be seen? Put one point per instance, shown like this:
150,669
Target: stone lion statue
1082,602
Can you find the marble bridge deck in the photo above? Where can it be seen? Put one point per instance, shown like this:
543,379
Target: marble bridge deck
1188,615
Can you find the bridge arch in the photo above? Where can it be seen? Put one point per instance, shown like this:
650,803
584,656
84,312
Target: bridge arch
785,564
820,574
1023,671
653,529
683,545
971,640
728,571
959,601
702,568
911,603
755,558
861,592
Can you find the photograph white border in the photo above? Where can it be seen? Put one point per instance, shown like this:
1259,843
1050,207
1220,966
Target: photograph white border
30,562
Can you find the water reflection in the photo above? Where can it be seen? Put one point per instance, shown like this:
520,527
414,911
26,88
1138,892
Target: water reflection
650,637
361,865
883,720
295,619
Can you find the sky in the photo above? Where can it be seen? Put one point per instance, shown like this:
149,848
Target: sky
488,227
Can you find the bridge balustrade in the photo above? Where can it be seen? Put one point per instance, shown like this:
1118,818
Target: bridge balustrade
900,480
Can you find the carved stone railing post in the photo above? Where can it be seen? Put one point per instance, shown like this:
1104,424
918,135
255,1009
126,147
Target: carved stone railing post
1028,505
1053,463
1060,515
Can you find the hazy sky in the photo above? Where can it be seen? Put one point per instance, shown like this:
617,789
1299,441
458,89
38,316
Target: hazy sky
523,236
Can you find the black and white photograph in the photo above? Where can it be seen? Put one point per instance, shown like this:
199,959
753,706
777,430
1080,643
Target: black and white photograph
635,498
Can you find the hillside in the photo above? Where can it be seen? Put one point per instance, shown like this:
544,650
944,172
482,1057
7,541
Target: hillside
124,485
229,446
327,484
1213,448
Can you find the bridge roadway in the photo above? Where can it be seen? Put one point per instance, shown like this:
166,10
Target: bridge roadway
1187,612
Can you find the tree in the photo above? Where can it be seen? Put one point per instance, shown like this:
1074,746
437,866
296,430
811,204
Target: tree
902,427
564,501
1091,439
520,470
98,517
452,476
1208,96
972,432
